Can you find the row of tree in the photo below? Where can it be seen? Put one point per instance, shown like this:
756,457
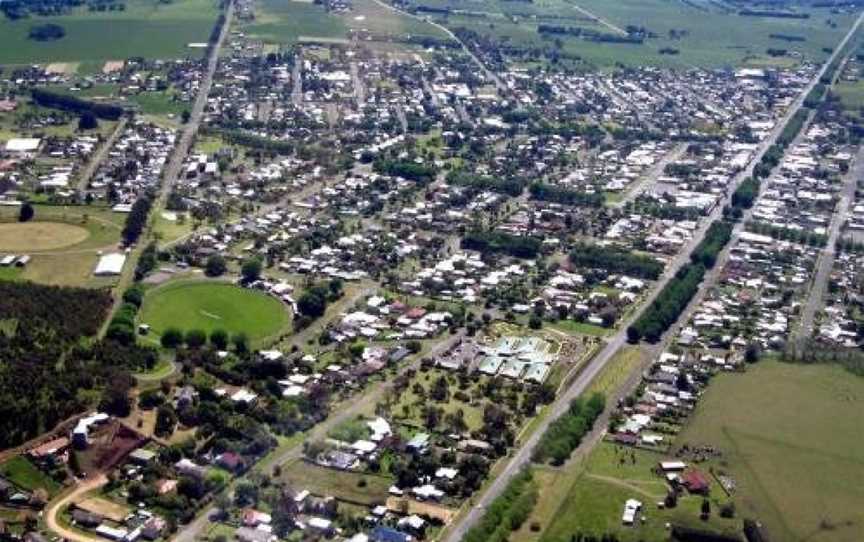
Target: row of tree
136,220
566,433
717,236
615,260
507,512
668,305
219,339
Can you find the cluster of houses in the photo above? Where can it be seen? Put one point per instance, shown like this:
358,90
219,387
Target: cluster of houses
133,164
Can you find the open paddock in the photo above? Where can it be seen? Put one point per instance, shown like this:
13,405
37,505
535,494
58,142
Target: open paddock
352,487
790,438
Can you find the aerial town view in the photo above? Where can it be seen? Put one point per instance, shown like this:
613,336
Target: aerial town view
432,270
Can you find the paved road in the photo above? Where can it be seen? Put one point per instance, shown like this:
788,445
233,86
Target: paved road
522,456
826,258
297,80
174,166
99,156
650,176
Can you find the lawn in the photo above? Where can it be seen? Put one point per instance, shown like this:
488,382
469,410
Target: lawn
210,305
353,487
616,371
791,438
573,327
23,474
147,28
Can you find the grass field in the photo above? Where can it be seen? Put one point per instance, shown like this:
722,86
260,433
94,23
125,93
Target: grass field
791,437
346,486
146,28
23,474
210,305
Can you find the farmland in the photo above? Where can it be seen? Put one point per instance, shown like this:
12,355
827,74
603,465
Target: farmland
702,33
211,305
789,435
146,28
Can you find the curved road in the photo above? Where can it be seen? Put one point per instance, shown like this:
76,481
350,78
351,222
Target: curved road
55,507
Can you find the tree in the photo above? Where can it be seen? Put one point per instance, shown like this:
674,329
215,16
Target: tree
185,116
87,121
251,269
195,338
74,464
706,509
219,339
26,213
172,338
312,303
535,322
134,295
166,419
241,342
216,266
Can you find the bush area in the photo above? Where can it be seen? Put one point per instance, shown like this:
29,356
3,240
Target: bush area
565,196
566,433
65,102
507,512
419,173
616,260
498,242
511,187
48,324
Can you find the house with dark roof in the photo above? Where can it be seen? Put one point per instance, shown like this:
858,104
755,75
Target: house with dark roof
387,534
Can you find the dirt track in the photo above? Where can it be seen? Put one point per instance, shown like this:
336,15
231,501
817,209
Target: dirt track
55,506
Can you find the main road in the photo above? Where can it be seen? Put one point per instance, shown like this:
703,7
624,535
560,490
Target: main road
522,455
